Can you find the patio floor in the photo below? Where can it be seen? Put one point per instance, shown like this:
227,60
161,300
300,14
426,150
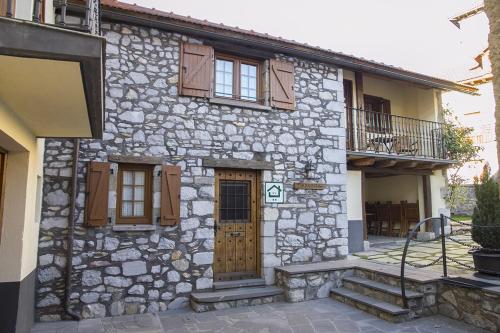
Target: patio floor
325,315
389,250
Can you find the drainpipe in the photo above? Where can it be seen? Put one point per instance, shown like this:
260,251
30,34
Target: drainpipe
71,225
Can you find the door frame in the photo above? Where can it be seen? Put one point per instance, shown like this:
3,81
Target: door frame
258,214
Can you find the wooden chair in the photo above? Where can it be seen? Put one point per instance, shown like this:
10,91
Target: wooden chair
411,215
383,218
396,220
403,144
370,215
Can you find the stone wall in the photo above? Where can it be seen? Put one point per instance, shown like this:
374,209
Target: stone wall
469,201
129,272
480,308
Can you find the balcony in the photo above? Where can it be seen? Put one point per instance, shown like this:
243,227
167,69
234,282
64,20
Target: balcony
52,74
384,140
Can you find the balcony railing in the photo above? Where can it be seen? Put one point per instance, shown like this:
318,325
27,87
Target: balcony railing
382,133
89,23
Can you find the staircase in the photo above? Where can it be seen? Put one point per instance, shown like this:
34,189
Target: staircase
232,294
368,293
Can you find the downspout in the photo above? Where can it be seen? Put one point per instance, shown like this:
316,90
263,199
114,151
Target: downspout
71,226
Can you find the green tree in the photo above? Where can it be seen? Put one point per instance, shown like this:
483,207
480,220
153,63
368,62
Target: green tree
461,149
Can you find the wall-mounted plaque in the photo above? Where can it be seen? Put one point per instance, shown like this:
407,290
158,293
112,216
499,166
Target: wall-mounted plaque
309,186
275,192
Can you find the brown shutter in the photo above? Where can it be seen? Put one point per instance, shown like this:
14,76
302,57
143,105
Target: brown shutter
196,70
282,85
170,195
96,207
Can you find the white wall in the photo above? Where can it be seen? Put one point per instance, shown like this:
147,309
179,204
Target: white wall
354,196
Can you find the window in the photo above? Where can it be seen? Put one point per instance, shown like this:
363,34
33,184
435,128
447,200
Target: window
235,201
236,78
134,204
378,114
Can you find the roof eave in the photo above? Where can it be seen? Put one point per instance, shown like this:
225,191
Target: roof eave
303,51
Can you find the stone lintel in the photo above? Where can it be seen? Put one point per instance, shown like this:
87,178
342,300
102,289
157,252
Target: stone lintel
135,159
231,163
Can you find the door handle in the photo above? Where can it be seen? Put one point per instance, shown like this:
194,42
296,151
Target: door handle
233,234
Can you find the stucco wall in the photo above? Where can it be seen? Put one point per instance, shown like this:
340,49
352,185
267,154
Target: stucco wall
145,116
406,99
19,234
354,196
492,9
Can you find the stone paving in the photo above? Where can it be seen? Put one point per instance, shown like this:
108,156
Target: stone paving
325,315
390,250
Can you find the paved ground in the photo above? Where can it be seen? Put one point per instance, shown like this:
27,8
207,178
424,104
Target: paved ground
390,250
323,315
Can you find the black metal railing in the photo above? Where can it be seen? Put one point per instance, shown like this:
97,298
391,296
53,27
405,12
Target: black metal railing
91,14
383,133
457,229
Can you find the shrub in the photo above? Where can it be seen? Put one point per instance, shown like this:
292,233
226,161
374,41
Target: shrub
486,212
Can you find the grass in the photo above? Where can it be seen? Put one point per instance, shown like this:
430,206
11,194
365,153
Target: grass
461,218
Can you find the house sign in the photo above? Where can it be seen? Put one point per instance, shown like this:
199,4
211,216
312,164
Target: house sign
274,192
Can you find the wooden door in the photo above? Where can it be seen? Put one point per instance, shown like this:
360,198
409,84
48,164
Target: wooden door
348,106
236,220
3,157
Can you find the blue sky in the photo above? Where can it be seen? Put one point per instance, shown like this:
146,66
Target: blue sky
412,34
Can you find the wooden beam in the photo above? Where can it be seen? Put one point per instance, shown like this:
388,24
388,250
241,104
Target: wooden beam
424,166
385,163
369,161
390,171
426,181
358,80
407,164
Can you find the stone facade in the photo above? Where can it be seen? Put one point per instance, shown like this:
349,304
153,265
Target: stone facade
480,308
127,272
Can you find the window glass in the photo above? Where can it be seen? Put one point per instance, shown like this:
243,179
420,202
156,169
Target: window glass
133,193
248,79
224,78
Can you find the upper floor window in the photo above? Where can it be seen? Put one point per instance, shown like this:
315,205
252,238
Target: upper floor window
236,78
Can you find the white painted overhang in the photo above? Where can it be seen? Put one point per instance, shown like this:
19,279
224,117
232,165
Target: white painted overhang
52,78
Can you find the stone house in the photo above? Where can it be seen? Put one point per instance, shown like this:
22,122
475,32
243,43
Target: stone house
198,118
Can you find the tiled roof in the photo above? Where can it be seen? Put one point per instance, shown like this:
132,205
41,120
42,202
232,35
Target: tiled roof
355,62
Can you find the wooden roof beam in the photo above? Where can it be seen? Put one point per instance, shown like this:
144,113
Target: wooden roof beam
369,161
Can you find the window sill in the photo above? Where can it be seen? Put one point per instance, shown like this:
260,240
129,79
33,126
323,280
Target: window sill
239,104
134,227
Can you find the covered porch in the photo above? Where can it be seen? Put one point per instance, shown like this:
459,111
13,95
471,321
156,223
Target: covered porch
387,195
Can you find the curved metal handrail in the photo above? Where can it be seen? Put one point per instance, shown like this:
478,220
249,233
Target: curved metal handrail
403,259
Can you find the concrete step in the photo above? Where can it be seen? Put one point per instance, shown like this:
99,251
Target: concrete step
382,291
239,284
236,297
381,309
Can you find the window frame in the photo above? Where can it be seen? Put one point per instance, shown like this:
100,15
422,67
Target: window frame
237,62
148,194
381,120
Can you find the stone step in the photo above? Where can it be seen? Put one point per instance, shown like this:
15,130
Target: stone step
239,284
236,297
382,291
381,309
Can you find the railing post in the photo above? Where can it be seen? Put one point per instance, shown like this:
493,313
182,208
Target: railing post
36,11
443,246
9,12
63,13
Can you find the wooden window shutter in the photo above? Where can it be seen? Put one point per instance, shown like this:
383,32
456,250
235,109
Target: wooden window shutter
170,195
96,207
282,85
196,72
